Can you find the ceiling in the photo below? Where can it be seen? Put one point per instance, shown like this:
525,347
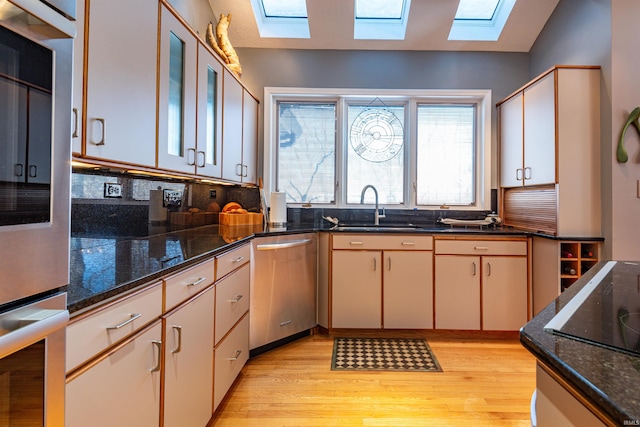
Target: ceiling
331,27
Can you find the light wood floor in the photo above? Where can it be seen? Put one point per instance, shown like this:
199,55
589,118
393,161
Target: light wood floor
485,382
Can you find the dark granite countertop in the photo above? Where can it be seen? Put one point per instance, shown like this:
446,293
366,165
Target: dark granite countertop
103,266
607,378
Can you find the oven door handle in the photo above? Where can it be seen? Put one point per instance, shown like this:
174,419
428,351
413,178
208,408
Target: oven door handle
284,245
31,329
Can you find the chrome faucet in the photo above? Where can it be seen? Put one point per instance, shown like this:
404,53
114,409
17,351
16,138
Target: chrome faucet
376,215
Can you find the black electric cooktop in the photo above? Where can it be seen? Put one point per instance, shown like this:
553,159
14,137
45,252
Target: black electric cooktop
606,311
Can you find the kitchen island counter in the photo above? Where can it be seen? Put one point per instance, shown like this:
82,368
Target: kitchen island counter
603,379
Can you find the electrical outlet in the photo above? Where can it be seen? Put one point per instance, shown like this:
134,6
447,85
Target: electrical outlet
212,194
112,190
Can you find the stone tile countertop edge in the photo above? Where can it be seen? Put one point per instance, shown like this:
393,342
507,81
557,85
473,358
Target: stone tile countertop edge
608,379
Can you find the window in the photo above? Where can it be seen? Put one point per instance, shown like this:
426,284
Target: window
307,151
419,149
480,19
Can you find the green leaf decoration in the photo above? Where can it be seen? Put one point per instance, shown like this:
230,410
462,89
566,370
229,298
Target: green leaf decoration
621,153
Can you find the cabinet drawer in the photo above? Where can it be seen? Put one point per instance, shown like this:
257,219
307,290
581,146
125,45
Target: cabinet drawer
382,241
183,285
230,357
232,300
231,260
90,335
481,247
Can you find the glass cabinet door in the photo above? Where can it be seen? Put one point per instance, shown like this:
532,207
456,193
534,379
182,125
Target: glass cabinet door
177,106
209,136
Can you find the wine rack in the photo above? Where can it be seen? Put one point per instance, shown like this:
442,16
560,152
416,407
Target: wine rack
576,258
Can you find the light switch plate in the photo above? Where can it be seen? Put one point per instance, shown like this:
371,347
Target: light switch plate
112,190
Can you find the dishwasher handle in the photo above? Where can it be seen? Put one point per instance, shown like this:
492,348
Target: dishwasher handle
283,245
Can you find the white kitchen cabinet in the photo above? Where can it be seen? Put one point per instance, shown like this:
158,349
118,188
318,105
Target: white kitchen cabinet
232,128
188,362
408,290
101,328
356,289
549,147
122,388
504,293
376,274
177,95
457,293
121,81
231,354
527,132
239,132
249,138
78,81
512,149
209,113
481,284
540,132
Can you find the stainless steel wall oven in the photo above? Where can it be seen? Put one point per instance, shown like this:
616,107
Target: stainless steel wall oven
36,47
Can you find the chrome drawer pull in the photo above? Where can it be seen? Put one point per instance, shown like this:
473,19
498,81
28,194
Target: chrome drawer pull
408,243
103,135
197,282
285,323
179,347
488,269
158,345
356,243
473,272
481,248
235,357
240,258
133,317
238,298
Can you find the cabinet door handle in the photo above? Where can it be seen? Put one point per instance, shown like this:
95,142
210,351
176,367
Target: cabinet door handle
158,345
201,156
481,248
285,323
235,356
191,156
75,123
238,169
473,268
356,243
238,298
197,282
245,170
18,169
178,348
389,263
527,173
375,264
33,171
408,243
519,174
133,317
488,269
103,135
237,260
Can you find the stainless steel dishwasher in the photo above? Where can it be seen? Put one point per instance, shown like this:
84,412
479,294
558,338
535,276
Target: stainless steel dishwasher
283,289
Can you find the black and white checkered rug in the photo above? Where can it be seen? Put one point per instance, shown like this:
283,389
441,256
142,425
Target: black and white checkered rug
383,354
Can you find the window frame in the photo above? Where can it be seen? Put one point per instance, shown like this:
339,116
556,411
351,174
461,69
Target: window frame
480,97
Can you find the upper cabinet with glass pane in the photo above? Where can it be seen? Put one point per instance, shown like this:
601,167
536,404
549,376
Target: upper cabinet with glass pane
177,97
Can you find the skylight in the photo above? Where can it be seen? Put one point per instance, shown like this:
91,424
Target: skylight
381,19
481,20
281,18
